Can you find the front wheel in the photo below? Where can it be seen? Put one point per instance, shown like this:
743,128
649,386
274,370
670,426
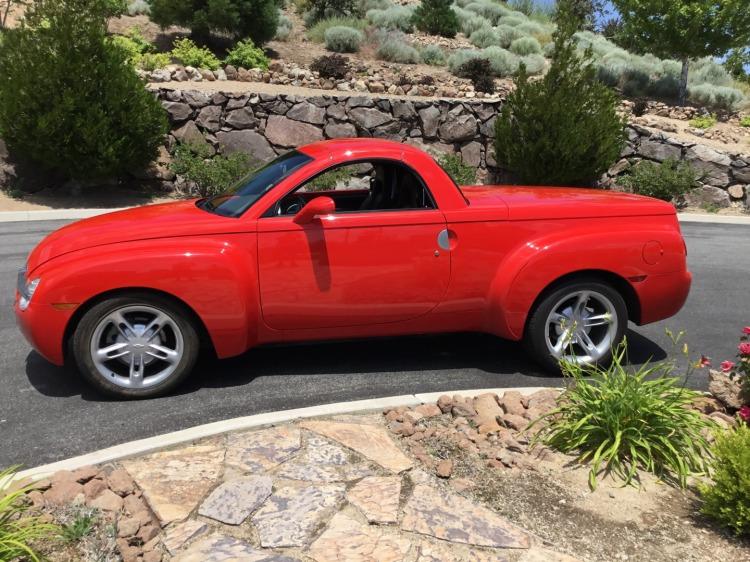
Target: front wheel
137,346
579,321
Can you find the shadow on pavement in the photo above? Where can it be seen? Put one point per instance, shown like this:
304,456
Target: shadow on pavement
410,354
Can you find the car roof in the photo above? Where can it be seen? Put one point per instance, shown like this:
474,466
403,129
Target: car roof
344,149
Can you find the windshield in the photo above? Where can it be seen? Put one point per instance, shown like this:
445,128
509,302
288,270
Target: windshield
238,198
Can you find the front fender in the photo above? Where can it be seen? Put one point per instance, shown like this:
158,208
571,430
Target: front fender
215,276
534,266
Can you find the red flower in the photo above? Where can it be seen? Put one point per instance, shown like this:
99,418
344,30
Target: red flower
706,361
744,413
744,348
727,366
746,330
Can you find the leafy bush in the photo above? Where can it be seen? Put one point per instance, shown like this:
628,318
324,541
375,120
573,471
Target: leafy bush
474,23
502,63
395,49
342,39
434,56
703,121
436,17
718,97
727,498
534,63
331,66
512,21
745,121
138,7
706,71
365,5
506,35
256,19
490,11
622,422
526,46
484,37
284,28
84,129
152,61
459,57
568,120
17,530
134,45
531,28
317,32
393,18
666,180
188,53
322,9
457,169
211,176
479,71
246,55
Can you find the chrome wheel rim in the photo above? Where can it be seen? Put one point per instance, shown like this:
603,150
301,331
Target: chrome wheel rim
581,327
136,346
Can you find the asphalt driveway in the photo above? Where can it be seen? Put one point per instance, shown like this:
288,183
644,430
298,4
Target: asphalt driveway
47,414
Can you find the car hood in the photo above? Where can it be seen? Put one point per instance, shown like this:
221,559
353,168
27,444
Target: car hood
528,203
181,218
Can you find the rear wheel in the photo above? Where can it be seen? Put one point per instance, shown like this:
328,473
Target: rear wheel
137,346
579,321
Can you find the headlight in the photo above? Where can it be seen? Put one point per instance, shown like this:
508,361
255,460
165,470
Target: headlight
25,289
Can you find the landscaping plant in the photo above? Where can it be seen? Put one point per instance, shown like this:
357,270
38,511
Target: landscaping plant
703,121
18,530
740,369
726,498
188,53
479,71
341,39
211,176
246,55
457,169
316,10
256,19
563,129
434,56
621,421
317,32
68,100
745,121
331,66
436,17
664,180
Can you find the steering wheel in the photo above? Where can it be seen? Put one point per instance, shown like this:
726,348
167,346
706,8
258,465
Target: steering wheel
291,208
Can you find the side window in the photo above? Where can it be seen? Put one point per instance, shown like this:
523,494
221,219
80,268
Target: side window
376,185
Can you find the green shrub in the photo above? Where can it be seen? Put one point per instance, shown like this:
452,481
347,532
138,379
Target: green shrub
246,55
256,19
512,21
457,169
531,28
727,498
211,176
152,61
84,129
433,55
322,9
317,32
534,63
490,11
394,18
718,97
284,28
666,180
436,17
474,23
568,120
365,5
18,531
703,121
502,63
745,121
459,57
134,45
138,7
394,49
484,37
506,35
331,66
342,39
622,422
525,46
188,53
328,181
479,71
81,525
706,71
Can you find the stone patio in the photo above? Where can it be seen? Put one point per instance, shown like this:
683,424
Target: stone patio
333,490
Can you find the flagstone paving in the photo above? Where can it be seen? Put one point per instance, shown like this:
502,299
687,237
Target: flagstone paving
323,491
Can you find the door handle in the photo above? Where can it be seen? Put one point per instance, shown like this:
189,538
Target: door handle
444,240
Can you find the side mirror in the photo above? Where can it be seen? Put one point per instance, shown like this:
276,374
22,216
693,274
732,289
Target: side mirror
315,207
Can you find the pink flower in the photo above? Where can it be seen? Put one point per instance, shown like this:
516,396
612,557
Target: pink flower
744,413
705,361
727,366
746,330
744,348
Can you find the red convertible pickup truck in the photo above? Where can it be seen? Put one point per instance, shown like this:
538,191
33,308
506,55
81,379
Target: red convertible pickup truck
344,239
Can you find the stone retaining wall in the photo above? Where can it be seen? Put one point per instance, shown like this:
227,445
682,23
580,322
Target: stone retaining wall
264,125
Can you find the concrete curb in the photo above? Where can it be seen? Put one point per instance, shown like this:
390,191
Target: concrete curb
151,444
72,214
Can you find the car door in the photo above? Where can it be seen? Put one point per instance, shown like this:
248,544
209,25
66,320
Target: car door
351,268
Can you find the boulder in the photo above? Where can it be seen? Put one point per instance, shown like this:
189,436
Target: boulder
659,151
196,99
430,119
736,191
471,154
340,130
307,113
707,195
288,133
460,128
177,111
712,164
369,118
246,141
728,391
241,119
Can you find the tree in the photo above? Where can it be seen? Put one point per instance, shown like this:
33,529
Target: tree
737,62
436,17
562,129
256,19
686,29
68,100
583,11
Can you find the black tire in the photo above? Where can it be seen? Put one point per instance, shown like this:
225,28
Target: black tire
84,332
536,325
